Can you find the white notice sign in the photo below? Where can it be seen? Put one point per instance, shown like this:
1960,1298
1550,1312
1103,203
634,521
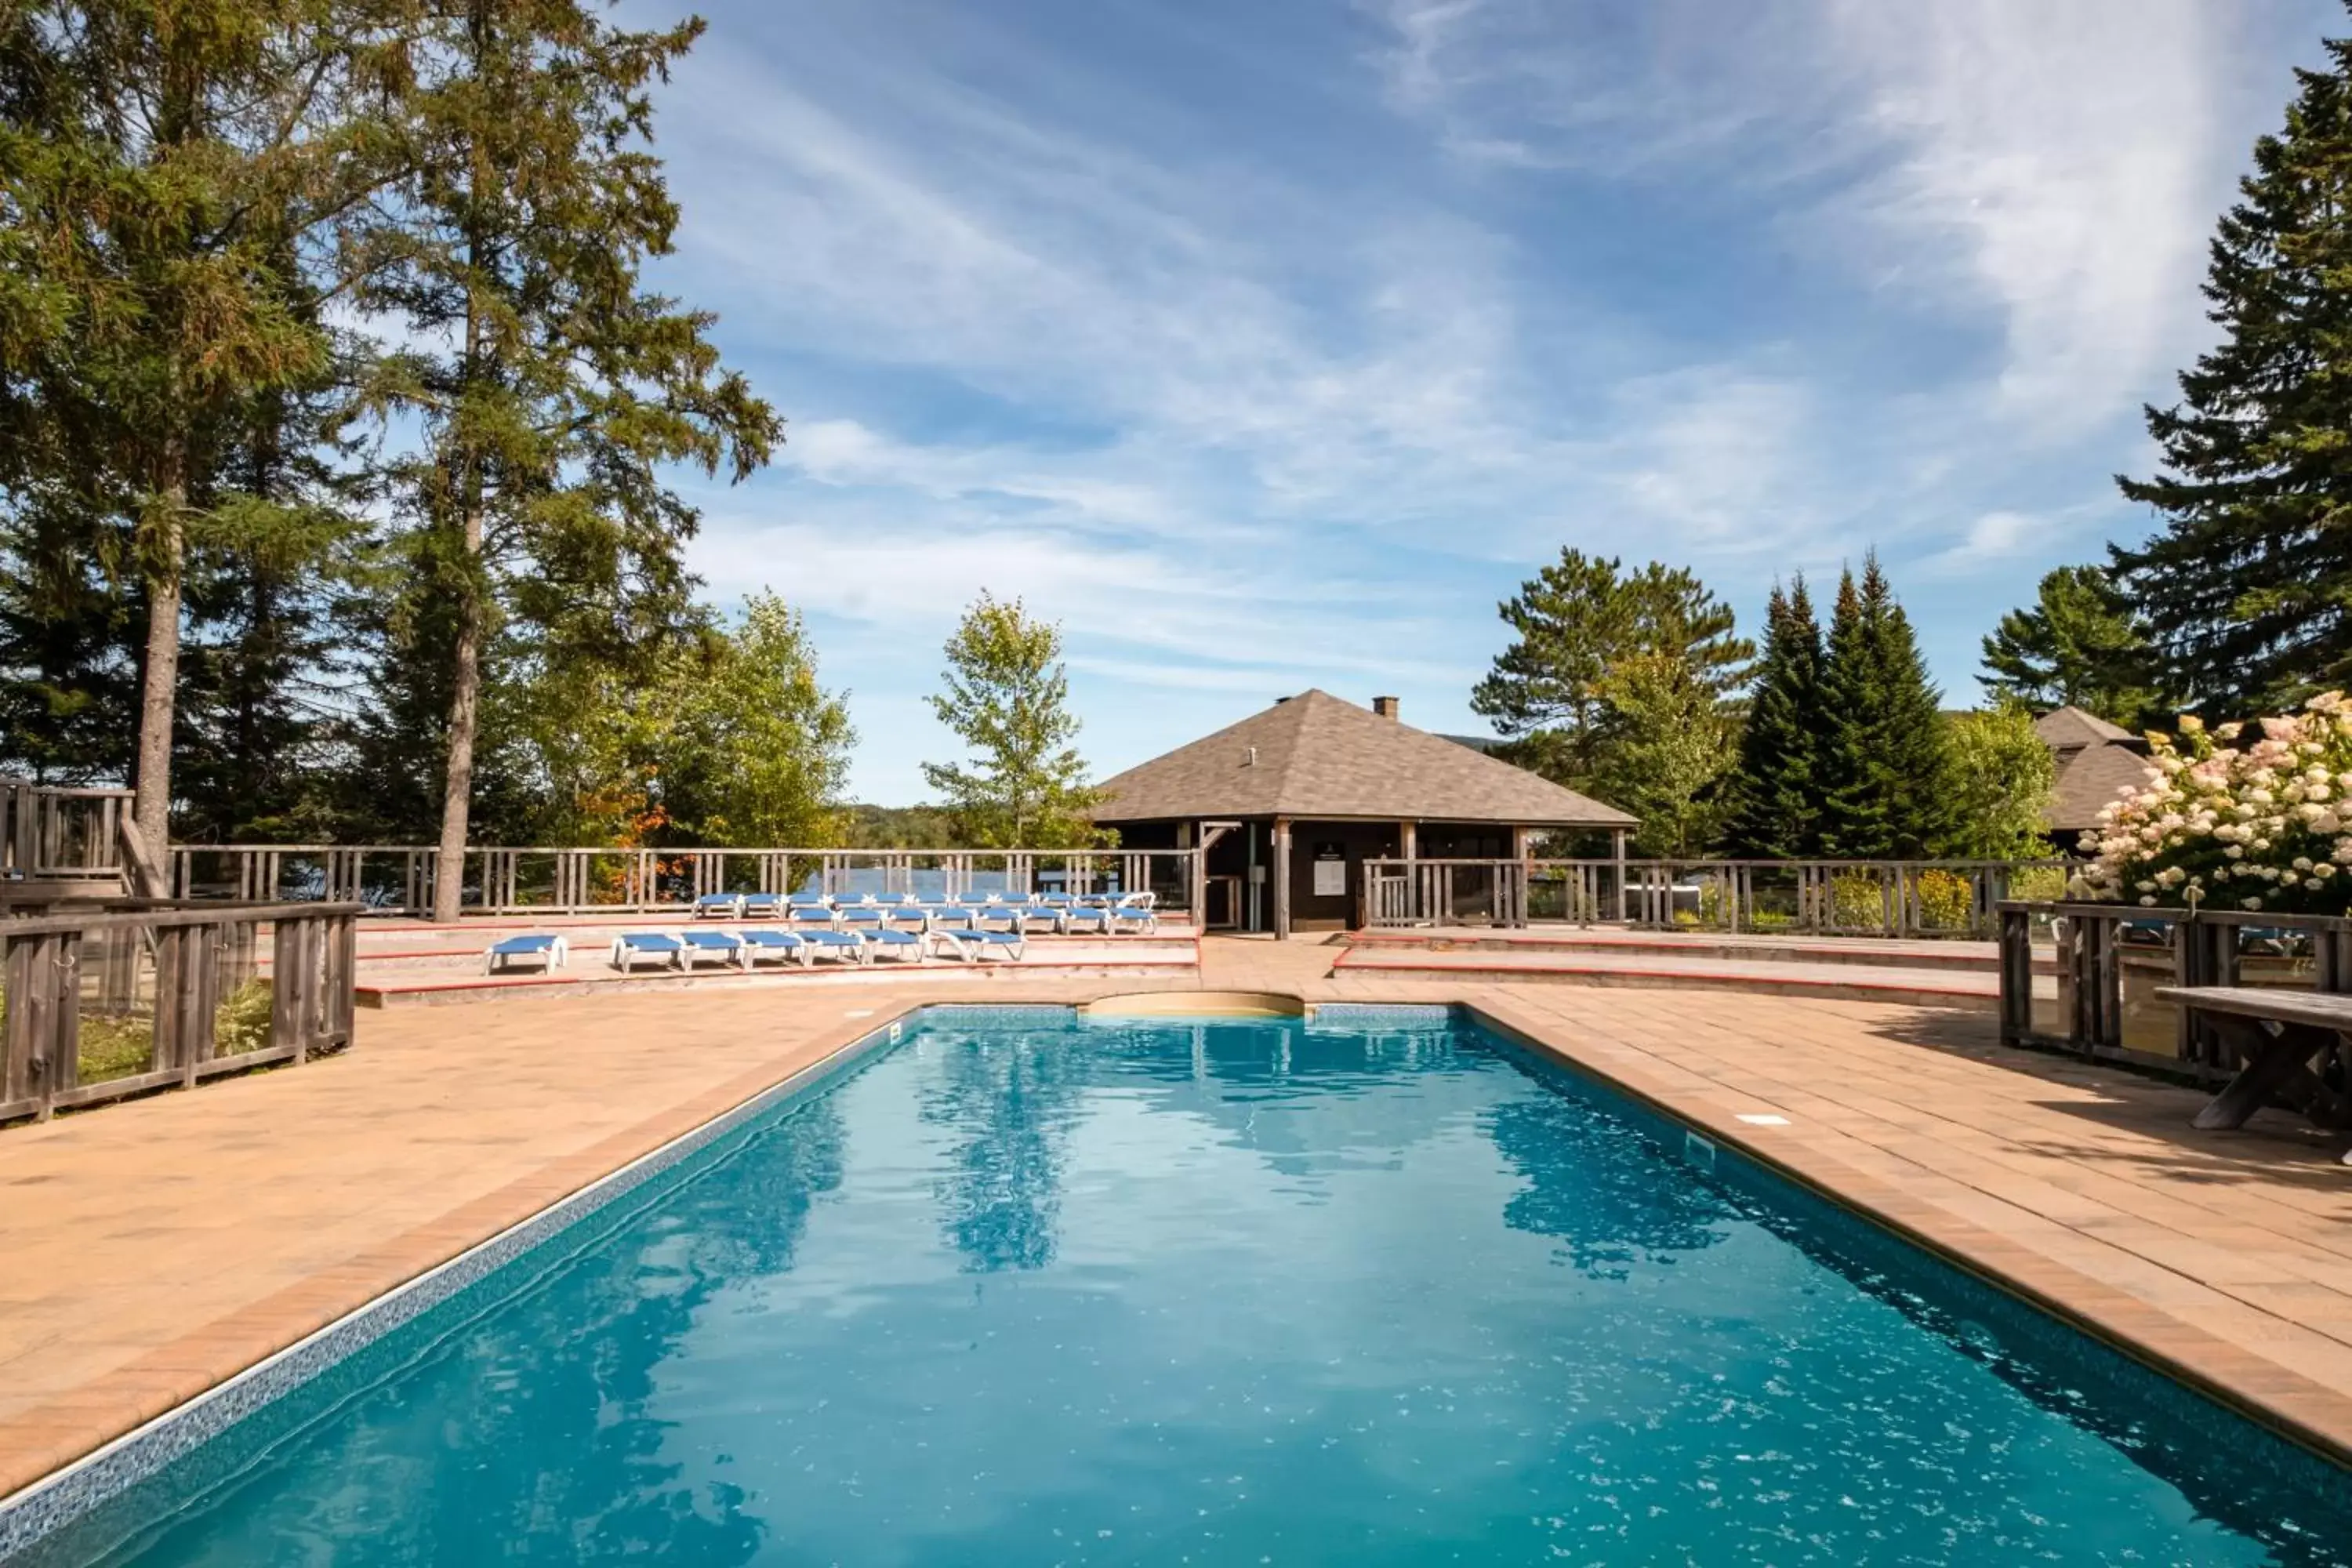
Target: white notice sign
1330,878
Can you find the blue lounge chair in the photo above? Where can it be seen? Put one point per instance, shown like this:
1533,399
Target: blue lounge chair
723,945
632,946
1053,901
1088,918
890,900
1049,915
718,907
998,917
842,946
809,901
762,906
815,916
1139,910
759,944
549,951
907,946
860,916
913,916
955,917
972,947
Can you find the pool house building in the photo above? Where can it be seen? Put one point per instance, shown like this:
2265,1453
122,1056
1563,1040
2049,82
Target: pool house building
1299,806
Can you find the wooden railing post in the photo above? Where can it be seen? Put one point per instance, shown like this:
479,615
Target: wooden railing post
40,1045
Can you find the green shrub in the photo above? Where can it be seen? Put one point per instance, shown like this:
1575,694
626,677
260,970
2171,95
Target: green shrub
1947,900
242,1023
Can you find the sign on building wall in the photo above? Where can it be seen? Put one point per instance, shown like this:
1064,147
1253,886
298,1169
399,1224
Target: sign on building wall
1331,872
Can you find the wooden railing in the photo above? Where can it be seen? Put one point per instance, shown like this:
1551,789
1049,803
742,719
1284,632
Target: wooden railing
398,879
98,1005
2112,957
1895,899
51,835
1446,892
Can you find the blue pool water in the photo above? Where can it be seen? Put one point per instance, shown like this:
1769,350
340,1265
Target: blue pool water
1043,1290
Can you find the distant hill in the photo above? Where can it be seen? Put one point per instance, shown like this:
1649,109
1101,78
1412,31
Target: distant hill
899,827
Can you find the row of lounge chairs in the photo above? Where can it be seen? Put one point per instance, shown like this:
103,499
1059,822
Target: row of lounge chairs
746,949
855,929
1103,913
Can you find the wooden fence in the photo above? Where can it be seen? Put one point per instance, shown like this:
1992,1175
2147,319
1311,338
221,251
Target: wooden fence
397,879
97,1005
2112,957
1895,899
61,837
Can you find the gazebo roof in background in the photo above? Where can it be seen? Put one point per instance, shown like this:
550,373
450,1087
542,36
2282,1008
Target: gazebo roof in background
1316,757
2096,762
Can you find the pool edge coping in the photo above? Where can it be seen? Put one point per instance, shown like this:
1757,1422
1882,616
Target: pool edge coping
2058,1294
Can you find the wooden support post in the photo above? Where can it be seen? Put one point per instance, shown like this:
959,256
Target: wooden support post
1281,879
1617,853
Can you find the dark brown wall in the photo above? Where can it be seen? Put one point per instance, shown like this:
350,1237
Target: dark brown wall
1359,841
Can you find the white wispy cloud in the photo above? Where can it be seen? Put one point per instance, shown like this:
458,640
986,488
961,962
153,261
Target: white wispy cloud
1256,404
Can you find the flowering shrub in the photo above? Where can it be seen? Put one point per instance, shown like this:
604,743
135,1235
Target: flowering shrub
2262,824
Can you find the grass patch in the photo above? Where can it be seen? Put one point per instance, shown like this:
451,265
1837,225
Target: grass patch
115,1047
118,1046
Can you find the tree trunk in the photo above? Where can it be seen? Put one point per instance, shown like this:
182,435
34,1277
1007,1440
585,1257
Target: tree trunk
465,706
466,685
160,681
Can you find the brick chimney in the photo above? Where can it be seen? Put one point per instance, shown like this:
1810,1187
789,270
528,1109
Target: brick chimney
1386,707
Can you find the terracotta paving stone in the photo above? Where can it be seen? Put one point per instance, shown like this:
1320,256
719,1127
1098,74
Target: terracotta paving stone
160,1246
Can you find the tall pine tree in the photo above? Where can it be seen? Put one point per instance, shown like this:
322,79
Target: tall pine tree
2080,643
1775,791
2249,585
1884,770
162,167
552,390
1576,621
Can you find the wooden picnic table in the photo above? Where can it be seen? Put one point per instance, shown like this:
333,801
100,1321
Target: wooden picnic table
2277,1032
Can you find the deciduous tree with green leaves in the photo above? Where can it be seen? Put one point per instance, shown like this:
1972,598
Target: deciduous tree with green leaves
2081,643
726,737
1671,740
1007,698
1775,806
2001,775
2248,587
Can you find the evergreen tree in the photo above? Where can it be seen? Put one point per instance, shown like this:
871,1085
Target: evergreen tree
551,390
1007,698
2079,643
1775,794
2248,587
1574,622
1885,779
161,168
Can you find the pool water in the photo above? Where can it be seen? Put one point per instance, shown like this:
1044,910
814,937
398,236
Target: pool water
1051,1290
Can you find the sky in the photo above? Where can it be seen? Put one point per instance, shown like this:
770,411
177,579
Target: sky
1269,346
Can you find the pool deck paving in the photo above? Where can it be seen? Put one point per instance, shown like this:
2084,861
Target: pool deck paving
159,1247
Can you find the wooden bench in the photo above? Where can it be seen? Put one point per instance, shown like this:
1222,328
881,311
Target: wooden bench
2277,1032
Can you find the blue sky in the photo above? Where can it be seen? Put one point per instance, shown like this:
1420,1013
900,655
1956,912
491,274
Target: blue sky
1266,346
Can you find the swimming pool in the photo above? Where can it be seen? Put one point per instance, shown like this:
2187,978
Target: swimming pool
1031,1288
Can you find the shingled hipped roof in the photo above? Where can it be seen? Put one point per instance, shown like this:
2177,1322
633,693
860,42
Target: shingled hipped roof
2096,762
1319,757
